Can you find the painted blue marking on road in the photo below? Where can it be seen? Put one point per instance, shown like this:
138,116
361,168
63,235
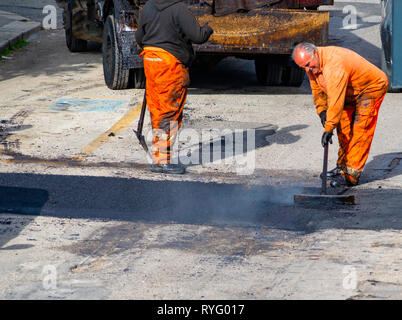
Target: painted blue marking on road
87,105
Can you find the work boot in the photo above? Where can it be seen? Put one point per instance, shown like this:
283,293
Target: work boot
332,173
340,181
168,168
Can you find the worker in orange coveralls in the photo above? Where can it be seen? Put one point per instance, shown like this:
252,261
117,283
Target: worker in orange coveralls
166,32
348,92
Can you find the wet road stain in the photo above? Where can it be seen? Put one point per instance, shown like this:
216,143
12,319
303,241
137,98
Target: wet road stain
231,243
109,240
87,105
17,247
228,241
7,127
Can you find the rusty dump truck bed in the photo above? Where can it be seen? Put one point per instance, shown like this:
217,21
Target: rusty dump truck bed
263,31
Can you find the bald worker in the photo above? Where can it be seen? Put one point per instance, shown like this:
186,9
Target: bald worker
348,92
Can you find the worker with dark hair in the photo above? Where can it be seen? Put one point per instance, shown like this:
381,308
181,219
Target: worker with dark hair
166,32
348,91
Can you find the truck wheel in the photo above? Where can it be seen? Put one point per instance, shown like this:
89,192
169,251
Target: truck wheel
206,62
293,76
73,44
116,77
268,73
137,78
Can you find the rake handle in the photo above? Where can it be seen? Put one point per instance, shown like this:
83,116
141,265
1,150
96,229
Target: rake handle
324,170
142,116
138,133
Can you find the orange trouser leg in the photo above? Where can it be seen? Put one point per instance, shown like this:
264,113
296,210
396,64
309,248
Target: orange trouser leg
344,131
355,134
167,81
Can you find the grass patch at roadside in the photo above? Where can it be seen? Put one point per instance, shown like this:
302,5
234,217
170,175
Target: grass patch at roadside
20,44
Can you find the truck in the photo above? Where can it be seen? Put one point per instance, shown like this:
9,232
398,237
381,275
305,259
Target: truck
391,39
261,30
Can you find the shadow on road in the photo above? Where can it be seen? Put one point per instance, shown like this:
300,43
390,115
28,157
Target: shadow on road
237,143
183,202
19,200
382,167
47,54
236,76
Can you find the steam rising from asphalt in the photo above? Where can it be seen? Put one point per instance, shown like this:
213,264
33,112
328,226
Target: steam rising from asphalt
183,202
284,196
223,203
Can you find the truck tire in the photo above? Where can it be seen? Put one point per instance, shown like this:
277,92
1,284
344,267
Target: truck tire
293,76
73,44
116,77
137,78
206,62
269,73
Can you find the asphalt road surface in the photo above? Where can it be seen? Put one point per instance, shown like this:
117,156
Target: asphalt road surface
83,217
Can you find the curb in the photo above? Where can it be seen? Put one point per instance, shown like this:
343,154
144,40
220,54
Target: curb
20,29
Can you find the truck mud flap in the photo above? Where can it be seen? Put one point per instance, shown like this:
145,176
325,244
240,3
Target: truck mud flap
128,47
126,24
83,28
263,31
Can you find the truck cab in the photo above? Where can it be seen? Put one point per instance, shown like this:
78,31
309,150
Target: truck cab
391,38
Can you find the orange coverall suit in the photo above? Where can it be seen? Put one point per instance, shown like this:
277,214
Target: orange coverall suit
167,80
351,90
166,31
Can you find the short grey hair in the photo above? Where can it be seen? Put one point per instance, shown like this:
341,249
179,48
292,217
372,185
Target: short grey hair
306,47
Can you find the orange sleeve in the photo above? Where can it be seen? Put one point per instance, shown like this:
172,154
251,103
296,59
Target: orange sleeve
319,96
337,84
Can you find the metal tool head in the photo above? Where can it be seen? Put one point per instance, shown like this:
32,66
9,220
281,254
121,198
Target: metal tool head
142,141
324,198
